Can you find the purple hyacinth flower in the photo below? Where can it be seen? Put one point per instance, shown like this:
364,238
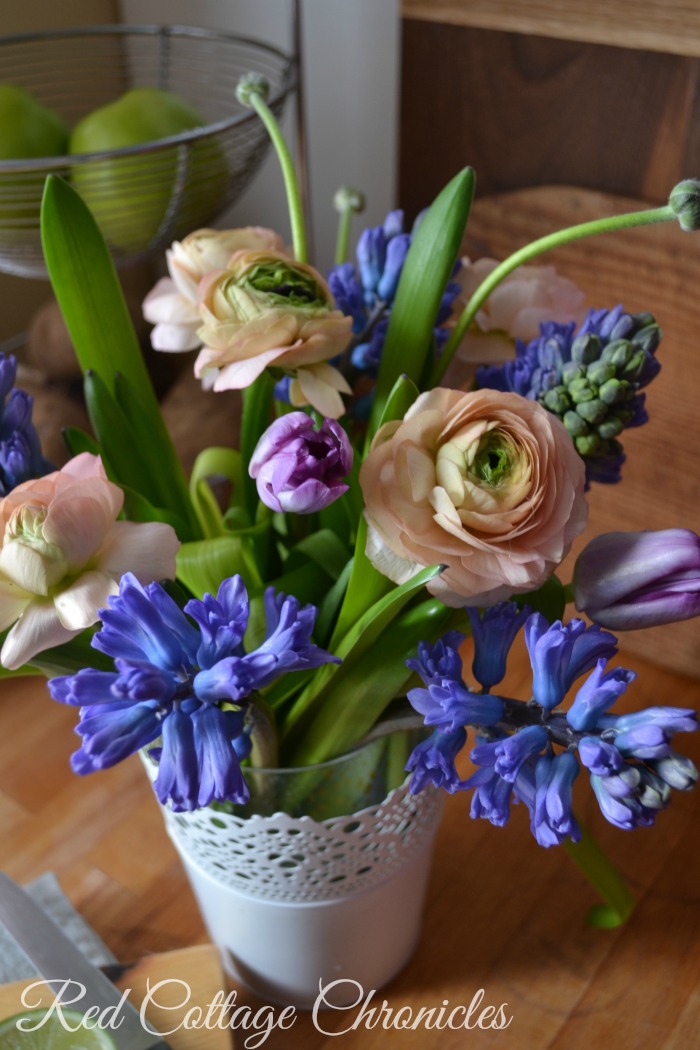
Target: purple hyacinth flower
20,450
494,631
515,750
433,761
299,468
597,695
627,580
491,798
623,812
676,770
553,820
599,756
171,677
438,661
449,705
560,653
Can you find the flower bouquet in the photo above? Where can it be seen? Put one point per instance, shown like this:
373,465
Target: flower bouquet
303,598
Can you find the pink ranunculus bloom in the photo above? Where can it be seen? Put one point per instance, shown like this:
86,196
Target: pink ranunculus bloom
267,309
172,304
485,483
62,553
515,309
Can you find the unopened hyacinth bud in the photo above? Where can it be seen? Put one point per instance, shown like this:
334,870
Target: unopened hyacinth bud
685,204
590,379
299,468
627,580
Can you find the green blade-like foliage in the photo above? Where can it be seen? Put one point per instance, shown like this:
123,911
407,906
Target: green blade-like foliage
360,690
425,274
89,295
77,441
203,564
87,288
359,638
256,418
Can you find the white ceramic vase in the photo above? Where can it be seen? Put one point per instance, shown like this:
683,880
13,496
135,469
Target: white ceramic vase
297,904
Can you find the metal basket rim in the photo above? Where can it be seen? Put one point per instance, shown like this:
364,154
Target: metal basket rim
289,80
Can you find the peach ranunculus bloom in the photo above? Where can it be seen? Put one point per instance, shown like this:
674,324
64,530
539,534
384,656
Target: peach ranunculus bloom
515,309
485,483
172,304
267,309
62,553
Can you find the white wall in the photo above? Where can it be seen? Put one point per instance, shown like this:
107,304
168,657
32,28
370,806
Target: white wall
352,80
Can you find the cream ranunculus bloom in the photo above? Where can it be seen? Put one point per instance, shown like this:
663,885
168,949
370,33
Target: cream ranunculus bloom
62,553
515,309
266,309
485,483
172,304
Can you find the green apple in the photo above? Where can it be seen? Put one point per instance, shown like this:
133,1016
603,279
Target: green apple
28,130
129,196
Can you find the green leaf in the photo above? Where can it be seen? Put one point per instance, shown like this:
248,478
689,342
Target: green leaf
354,645
359,691
403,393
77,441
203,564
87,288
425,274
328,609
256,418
366,586
549,599
216,462
138,508
322,547
89,295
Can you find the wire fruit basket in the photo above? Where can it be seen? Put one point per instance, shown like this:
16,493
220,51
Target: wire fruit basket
148,195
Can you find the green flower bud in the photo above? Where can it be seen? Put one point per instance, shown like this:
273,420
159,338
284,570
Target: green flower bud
613,392
599,372
635,366
571,371
585,349
557,400
593,412
580,390
648,338
252,84
618,353
575,425
347,197
588,444
610,428
685,204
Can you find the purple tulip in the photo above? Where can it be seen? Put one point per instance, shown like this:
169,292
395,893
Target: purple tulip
298,468
627,580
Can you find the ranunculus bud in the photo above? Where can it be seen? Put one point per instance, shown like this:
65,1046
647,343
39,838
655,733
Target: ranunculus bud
626,580
299,468
685,204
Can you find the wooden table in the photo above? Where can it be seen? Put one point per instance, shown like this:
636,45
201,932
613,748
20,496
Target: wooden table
503,915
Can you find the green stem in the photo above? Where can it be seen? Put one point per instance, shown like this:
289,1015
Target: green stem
296,211
569,596
530,251
343,241
606,880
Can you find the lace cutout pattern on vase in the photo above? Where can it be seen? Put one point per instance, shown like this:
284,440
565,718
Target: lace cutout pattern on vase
296,858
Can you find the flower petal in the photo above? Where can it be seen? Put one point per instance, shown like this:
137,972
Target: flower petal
78,605
37,629
147,549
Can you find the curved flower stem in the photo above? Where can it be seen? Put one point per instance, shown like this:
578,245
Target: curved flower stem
294,203
595,864
343,240
531,251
